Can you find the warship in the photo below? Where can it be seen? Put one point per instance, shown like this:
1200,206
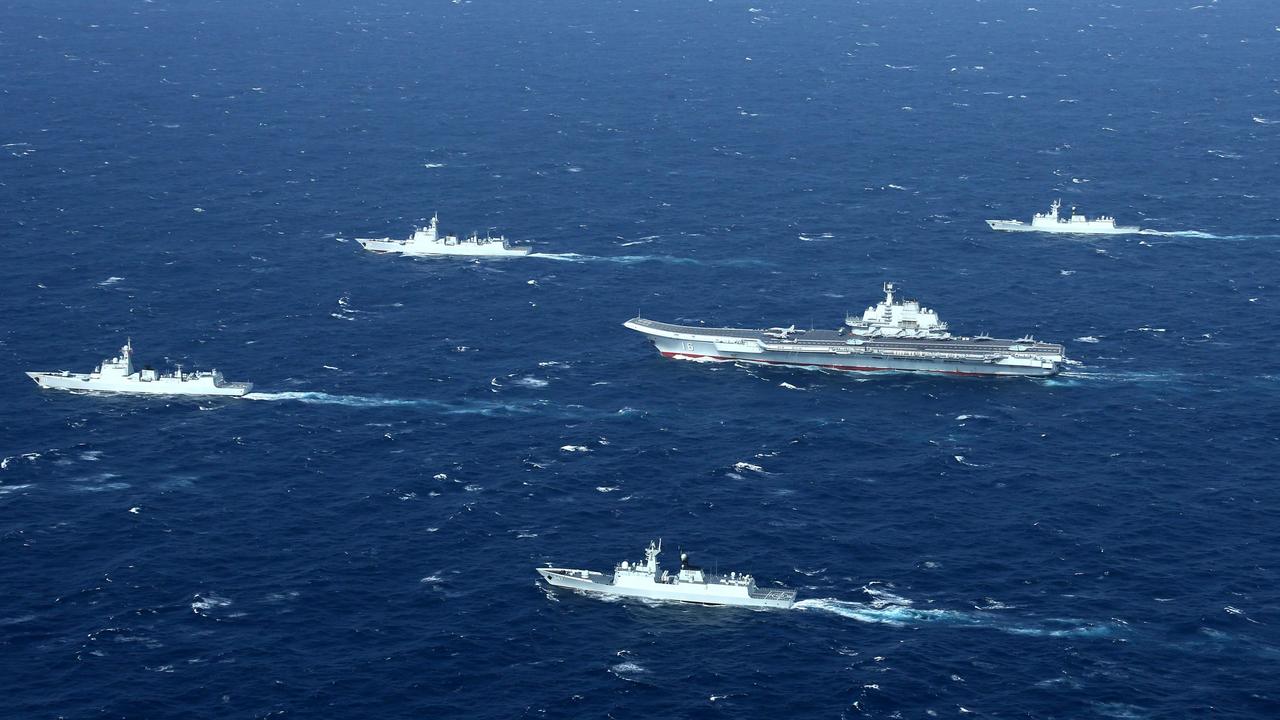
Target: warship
894,335
118,375
428,241
1052,222
692,584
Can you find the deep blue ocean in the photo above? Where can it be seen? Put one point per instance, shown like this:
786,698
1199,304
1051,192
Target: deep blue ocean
359,538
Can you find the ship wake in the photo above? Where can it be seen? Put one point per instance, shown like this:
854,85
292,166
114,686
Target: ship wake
622,259
1198,235
887,609
640,259
373,401
1134,376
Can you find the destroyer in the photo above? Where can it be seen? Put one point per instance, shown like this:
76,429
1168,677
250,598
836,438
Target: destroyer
428,241
894,335
692,584
1052,222
118,375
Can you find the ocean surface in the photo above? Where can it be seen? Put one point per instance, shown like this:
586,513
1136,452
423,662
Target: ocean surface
358,537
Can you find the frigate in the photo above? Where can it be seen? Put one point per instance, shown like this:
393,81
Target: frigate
1053,222
894,335
692,584
428,241
118,375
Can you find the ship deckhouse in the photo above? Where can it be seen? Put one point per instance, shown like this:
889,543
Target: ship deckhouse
1053,220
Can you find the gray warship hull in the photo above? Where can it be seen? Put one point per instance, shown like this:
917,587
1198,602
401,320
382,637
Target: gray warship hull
834,350
701,594
85,382
1064,228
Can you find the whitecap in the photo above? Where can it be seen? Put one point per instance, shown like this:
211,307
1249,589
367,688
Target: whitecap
575,448
745,466
1087,339
202,604
628,671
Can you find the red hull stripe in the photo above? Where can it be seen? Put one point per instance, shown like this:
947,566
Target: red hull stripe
848,368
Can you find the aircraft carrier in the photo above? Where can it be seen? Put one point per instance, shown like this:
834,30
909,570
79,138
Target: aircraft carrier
893,335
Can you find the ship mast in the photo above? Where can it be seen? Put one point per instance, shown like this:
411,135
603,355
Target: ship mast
651,556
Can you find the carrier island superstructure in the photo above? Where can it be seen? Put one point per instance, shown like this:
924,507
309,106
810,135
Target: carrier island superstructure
893,335
692,584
